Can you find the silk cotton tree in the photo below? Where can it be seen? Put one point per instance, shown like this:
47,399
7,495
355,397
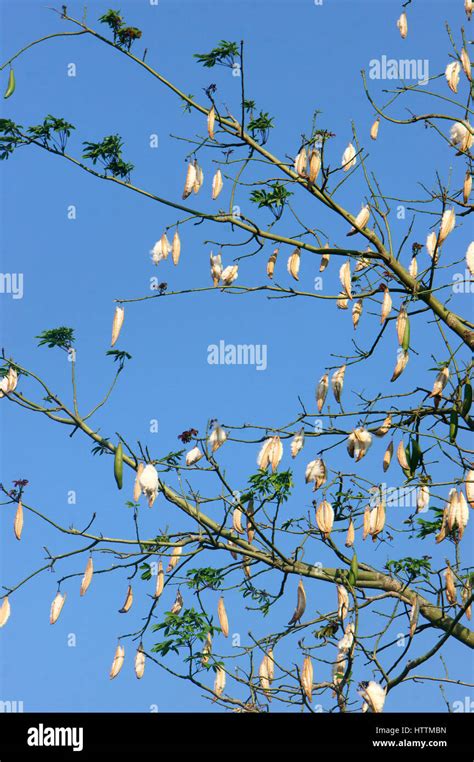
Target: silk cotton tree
252,538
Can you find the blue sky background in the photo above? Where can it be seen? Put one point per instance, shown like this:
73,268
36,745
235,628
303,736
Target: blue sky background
299,57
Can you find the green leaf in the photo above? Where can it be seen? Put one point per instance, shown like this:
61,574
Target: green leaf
57,337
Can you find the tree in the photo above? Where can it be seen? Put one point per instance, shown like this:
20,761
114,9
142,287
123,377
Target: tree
250,536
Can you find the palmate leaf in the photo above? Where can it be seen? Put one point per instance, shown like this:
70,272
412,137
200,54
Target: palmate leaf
57,337
223,55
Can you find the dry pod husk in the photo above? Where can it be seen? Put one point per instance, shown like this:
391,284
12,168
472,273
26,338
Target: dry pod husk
117,663
401,324
448,222
300,604
263,675
56,607
199,178
349,158
360,221
385,427
174,558
160,580
229,274
402,456
193,456
4,611
432,246
117,324
387,458
400,365
270,664
87,578
178,603
139,662
222,614
345,643
339,669
469,484
321,391
377,520
350,537
357,312
297,443
270,453
219,682
422,498
346,278
452,75
206,651
211,120
337,382
440,382
301,163
465,595
468,7
467,187
149,482
470,258
373,693
217,438
307,677
450,586
18,521
358,443
402,25
325,518
176,248
250,528
271,263
190,180
461,135
237,521
342,301
217,185
413,267
366,524
374,130
293,264
466,64
414,614
324,260
216,268
127,604
314,165
137,490
316,472
386,305
342,602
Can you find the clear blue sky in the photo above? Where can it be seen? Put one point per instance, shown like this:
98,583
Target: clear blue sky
299,57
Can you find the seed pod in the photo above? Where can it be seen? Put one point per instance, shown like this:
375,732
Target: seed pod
413,267
270,453
137,490
414,613
139,662
314,165
450,586
360,221
174,558
401,323
440,382
301,162
300,604
293,264
18,522
377,520
432,246
223,620
149,482
324,260
56,607
452,75
401,364
297,443
350,535
190,180
307,677
374,130
247,571
199,178
470,258
339,669
250,528
178,603
342,301
316,472
206,651
193,456
237,521
270,665
349,158
469,484
321,391
423,498
127,604
461,135
11,84
357,312
219,682
385,427
263,675
217,438
386,305
372,692
176,248
87,578
468,7
117,663
271,263
466,64
337,382
342,602
217,185
216,268
387,458
325,518
211,120
465,595
118,465
402,24
402,457
117,323
448,222
366,524
160,580
358,443
4,611
346,278
345,643
467,187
